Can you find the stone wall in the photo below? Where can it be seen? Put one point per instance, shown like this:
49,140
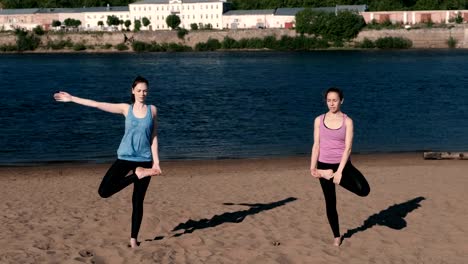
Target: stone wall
422,38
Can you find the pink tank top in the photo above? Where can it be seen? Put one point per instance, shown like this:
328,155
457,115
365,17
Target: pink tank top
332,142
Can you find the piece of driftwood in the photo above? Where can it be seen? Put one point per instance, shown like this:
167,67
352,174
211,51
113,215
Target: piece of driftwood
446,155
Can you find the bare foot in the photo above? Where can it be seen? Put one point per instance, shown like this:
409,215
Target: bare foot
337,241
142,172
133,243
326,174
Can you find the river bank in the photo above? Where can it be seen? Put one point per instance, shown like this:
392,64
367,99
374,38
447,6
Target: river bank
425,38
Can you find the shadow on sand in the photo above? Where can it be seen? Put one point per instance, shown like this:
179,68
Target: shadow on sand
232,217
392,217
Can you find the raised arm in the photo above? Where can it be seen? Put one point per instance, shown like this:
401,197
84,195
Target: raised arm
315,148
154,140
347,151
107,107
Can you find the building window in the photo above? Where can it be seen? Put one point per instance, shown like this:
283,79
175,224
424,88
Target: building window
216,15
134,9
182,16
211,6
144,8
217,25
149,8
211,15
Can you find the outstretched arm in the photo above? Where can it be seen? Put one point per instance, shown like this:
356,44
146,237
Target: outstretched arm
107,107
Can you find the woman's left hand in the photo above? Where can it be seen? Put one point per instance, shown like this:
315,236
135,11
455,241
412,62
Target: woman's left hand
337,177
157,168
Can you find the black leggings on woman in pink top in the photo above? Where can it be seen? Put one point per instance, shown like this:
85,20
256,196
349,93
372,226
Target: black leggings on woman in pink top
352,180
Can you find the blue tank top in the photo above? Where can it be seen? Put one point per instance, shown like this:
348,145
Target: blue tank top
136,142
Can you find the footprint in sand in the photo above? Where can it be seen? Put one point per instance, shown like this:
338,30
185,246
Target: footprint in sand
86,253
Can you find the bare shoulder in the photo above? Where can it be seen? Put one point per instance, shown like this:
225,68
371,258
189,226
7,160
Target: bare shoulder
317,120
154,110
349,121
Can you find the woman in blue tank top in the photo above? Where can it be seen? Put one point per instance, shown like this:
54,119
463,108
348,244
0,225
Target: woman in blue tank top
138,150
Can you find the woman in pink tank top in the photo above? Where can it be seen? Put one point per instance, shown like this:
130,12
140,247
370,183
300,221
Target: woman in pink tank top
330,158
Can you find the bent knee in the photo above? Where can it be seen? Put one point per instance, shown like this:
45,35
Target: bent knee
364,192
104,194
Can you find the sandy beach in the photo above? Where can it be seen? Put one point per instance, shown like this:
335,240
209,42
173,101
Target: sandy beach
238,211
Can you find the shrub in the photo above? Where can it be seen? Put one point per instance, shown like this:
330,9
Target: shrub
6,48
181,32
60,44
366,44
194,26
25,40
38,30
106,46
79,46
229,43
393,43
121,47
140,46
452,42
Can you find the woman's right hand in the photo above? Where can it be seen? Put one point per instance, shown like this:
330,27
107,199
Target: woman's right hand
62,97
314,172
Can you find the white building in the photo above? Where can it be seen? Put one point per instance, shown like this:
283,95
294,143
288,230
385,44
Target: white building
240,19
92,16
200,12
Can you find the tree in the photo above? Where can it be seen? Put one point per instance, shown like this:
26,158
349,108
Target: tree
100,23
70,22
112,21
38,30
56,23
194,26
172,21
145,21
127,24
343,26
137,25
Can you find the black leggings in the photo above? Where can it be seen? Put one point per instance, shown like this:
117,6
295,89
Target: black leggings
352,180
116,179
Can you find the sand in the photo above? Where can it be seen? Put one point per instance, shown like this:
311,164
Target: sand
238,211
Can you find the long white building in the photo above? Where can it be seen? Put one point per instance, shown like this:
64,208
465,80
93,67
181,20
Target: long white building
200,12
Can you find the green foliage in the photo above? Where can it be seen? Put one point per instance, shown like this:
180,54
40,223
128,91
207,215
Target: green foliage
374,5
145,21
387,24
229,43
112,21
56,23
137,26
181,32
79,46
70,22
452,42
140,46
173,21
100,23
366,44
8,48
459,19
38,30
60,44
210,45
127,24
26,40
121,47
106,46
338,28
194,26
393,43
